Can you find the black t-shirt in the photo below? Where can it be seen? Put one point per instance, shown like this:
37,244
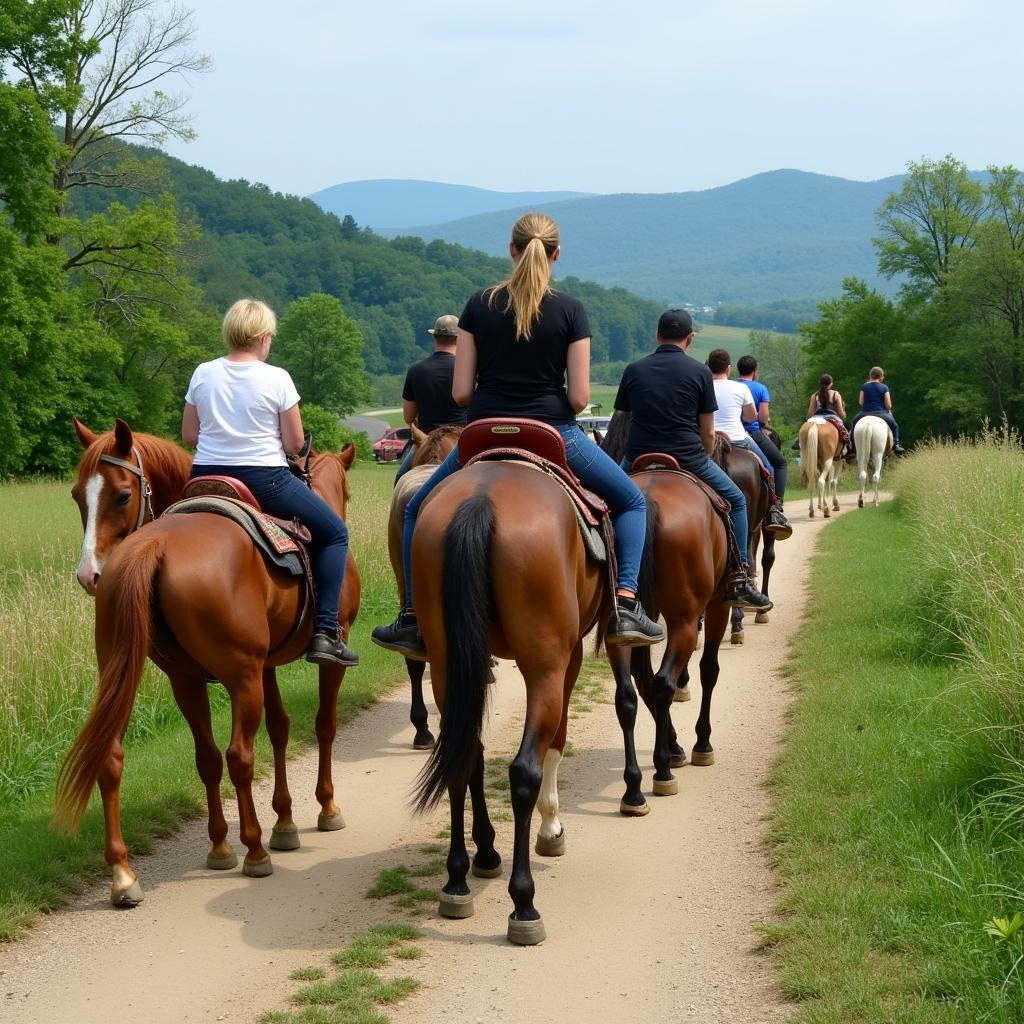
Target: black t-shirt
523,378
429,384
666,392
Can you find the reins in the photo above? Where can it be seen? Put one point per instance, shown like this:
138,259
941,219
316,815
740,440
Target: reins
145,491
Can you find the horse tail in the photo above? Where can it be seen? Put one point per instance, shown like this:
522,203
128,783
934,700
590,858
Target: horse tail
467,602
128,612
809,458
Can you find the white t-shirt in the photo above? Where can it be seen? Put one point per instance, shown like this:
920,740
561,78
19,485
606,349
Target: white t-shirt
239,405
732,396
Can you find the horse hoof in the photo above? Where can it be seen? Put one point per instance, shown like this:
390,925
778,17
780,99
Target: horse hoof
702,758
128,898
737,638
676,760
761,617
634,810
526,933
665,787
257,868
485,872
456,905
860,503
681,695
423,743
285,837
223,862
827,514
330,822
550,846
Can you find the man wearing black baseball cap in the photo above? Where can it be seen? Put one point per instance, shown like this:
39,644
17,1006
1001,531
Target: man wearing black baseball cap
427,396
671,399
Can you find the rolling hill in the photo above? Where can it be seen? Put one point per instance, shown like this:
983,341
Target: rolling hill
387,204
782,234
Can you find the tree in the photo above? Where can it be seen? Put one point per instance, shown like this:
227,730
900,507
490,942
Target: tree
929,222
322,349
782,362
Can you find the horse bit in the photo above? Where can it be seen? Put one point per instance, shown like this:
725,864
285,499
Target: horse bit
146,492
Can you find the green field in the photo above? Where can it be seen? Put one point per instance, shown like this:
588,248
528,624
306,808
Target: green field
48,678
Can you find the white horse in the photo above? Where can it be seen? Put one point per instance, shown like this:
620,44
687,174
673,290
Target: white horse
873,440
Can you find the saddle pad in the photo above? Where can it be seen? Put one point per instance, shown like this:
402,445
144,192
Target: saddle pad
831,422
273,542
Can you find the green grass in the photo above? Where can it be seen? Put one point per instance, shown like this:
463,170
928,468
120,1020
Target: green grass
893,835
48,678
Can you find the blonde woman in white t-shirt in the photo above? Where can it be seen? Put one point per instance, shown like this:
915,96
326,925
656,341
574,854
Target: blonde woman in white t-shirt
242,415
736,404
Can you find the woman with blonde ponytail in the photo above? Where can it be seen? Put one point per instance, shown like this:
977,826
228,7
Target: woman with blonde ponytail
523,350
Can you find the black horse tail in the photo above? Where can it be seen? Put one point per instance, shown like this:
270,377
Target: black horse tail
467,599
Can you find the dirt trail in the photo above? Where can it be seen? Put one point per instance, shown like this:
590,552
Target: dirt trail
647,919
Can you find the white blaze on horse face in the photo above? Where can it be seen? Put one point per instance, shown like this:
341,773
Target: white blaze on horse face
89,568
547,802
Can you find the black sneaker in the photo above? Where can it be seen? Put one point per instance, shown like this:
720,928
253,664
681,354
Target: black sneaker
740,593
403,636
777,523
325,649
898,449
631,625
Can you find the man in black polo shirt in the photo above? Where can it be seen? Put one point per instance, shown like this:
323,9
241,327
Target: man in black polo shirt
671,399
427,395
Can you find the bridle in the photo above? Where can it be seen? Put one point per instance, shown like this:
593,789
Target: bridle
145,491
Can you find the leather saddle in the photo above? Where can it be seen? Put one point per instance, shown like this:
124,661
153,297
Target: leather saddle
505,439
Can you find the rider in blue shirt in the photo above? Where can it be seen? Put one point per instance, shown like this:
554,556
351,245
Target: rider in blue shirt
876,400
747,368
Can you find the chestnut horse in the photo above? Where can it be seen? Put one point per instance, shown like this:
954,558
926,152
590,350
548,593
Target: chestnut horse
431,450
500,567
820,463
194,594
682,576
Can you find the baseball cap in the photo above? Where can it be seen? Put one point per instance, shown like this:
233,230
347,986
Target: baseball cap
675,324
445,327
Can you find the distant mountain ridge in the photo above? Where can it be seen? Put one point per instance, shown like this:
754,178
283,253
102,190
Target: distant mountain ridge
784,234
387,204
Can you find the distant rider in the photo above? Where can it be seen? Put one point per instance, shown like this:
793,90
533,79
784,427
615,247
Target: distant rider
876,400
828,403
757,427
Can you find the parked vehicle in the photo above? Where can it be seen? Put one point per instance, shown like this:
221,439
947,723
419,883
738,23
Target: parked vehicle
588,424
391,444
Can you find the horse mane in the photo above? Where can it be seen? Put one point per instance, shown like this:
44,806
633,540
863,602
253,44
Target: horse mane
162,458
433,451
322,467
614,443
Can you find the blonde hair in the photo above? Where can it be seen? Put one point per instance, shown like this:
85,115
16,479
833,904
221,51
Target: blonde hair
246,322
535,237
877,373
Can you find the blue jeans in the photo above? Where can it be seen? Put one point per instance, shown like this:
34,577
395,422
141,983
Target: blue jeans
284,496
715,477
596,471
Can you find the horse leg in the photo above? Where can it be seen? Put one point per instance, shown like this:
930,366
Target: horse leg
877,476
330,818
833,480
487,861
683,684
823,490
246,711
284,835
714,624
633,801
551,833
192,697
862,476
736,633
456,900
767,562
424,739
125,890
681,641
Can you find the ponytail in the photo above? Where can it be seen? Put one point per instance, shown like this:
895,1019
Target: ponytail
535,237
824,386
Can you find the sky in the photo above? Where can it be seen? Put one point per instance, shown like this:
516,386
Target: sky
636,96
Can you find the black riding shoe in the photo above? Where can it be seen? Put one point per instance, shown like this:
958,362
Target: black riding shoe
631,626
898,449
777,523
403,636
740,593
331,650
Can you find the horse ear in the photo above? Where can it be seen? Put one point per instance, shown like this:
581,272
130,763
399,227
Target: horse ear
348,455
416,434
85,435
123,436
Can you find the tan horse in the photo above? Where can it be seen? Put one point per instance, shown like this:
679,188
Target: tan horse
431,450
820,463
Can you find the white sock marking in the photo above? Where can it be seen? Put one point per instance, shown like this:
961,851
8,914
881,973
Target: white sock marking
547,802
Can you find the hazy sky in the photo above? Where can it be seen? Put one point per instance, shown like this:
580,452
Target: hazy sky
641,96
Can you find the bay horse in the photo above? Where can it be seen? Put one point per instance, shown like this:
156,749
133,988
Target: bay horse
682,577
431,450
820,464
872,439
192,593
500,567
